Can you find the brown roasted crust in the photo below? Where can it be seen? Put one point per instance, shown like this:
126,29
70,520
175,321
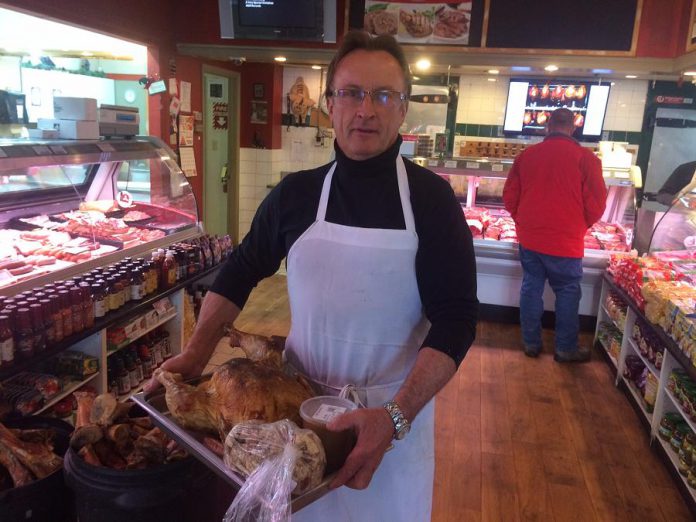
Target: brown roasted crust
239,390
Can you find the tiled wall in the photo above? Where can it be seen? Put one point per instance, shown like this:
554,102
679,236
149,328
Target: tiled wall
259,168
482,103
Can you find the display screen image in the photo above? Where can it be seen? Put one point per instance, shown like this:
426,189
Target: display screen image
530,103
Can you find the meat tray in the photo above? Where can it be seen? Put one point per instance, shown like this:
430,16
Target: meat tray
154,404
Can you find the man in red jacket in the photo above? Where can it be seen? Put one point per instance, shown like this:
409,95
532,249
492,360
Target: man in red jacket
554,192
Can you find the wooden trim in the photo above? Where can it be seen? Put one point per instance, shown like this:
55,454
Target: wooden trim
636,27
692,21
484,23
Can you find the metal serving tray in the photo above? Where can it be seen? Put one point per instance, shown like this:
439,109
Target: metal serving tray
154,404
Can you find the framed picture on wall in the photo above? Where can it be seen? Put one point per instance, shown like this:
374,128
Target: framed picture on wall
258,90
259,111
691,39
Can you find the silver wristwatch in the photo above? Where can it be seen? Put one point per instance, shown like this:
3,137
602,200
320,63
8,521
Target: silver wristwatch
401,425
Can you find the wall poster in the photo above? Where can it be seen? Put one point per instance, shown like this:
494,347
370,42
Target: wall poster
425,21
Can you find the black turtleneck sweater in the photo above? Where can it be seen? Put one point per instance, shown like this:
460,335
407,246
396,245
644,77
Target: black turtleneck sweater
366,194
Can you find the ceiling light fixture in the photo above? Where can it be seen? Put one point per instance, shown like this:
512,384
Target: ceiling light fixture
551,68
423,64
493,71
631,76
316,67
492,79
520,68
280,59
689,73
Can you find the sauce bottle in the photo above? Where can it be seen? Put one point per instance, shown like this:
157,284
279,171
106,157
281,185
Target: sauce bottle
78,319
99,298
6,342
66,312
87,305
56,317
38,327
50,326
137,285
168,273
24,335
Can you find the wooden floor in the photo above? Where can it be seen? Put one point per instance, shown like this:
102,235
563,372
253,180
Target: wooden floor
526,439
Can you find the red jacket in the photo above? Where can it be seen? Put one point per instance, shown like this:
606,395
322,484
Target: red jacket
555,191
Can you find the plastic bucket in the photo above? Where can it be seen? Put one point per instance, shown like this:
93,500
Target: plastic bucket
45,500
182,491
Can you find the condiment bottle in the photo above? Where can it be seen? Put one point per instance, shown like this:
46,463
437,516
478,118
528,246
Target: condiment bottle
126,283
137,285
166,345
168,273
99,298
132,371
56,317
24,334
78,319
113,295
144,353
138,365
66,312
49,324
124,384
38,327
87,305
6,342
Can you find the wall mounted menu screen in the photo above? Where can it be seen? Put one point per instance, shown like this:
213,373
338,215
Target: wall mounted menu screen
531,101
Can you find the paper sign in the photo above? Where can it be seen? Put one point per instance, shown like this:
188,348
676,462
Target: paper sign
188,161
497,168
185,130
172,87
450,164
185,96
174,106
472,165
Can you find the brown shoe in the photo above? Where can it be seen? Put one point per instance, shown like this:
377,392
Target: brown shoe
579,355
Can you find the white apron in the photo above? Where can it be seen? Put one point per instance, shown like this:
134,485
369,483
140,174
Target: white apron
357,319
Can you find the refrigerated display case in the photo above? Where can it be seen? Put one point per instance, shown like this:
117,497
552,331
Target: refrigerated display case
478,184
69,206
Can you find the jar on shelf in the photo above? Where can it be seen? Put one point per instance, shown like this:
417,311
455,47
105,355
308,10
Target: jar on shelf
6,342
99,299
38,327
76,306
87,305
49,324
667,425
66,311
24,334
56,317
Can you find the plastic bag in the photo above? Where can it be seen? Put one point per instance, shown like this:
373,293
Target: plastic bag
278,459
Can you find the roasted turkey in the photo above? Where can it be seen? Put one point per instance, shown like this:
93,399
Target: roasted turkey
239,390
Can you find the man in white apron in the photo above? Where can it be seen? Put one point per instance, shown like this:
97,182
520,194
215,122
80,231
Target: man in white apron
358,316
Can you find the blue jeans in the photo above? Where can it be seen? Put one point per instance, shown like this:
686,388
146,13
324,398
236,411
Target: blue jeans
564,275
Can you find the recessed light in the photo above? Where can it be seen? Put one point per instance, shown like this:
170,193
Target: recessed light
689,73
613,83
316,67
493,71
492,79
602,71
551,68
631,76
520,68
280,59
423,64
86,53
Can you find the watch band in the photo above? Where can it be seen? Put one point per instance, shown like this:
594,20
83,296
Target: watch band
401,424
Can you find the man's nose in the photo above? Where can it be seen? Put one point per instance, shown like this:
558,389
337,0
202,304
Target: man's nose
367,105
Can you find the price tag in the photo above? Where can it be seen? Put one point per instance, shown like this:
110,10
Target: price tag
162,306
326,412
57,149
450,164
432,163
124,199
497,167
3,154
42,150
472,165
106,147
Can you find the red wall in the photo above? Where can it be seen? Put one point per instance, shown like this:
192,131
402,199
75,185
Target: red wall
664,26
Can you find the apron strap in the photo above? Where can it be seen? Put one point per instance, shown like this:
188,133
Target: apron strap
404,194
325,189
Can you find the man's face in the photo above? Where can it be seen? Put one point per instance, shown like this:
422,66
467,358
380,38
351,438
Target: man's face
366,129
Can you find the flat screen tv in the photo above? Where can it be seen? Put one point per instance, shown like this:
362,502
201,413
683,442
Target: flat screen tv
531,101
302,20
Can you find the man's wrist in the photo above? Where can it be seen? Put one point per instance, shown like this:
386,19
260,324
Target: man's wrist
399,421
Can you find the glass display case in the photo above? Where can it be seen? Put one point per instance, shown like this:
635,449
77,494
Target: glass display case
69,206
478,184
673,237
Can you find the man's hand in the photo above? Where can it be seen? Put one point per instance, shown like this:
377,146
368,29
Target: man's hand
185,363
374,430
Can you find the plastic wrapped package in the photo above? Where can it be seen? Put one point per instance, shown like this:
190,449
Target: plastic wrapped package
278,459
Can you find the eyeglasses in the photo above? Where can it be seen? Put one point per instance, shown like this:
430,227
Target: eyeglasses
383,98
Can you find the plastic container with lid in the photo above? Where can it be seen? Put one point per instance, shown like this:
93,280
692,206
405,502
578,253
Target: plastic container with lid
315,413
